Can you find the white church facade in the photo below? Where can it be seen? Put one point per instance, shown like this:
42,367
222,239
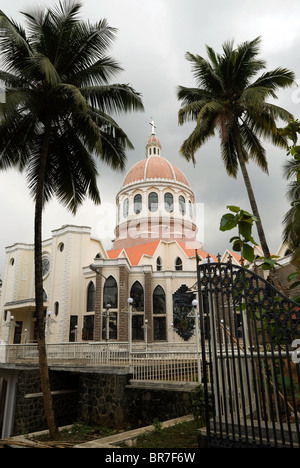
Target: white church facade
86,287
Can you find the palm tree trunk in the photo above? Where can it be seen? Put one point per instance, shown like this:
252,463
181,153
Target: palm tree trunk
39,300
260,230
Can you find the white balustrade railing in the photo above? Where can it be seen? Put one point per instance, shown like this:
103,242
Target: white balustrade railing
73,354
171,363
178,366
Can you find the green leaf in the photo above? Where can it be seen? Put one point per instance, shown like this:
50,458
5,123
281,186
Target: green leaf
248,252
245,230
228,221
233,208
294,275
295,150
257,315
237,245
294,285
268,264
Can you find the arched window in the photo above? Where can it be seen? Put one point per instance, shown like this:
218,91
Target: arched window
182,205
182,306
158,264
91,294
153,201
159,314
56,308
137,294
169,202
159,300
110,293
125,207
137,203
178,264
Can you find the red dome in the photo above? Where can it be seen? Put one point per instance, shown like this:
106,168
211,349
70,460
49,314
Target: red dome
155,168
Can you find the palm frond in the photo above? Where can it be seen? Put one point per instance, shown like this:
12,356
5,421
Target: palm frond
114,98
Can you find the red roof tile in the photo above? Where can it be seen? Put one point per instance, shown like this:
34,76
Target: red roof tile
135,253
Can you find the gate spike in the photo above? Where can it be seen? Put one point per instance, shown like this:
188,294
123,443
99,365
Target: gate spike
219,258
242,260
208,258
229,259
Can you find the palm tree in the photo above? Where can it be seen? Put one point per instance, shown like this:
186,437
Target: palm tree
226,99
291,220
57,119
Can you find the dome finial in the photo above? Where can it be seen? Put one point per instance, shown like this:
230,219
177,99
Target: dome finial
152,127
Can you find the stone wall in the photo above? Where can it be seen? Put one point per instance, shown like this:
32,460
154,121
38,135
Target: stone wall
101,399
143,406
108,400
29,409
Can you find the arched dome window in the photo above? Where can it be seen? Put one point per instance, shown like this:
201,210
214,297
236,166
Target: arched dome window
169,202
158,264
126,208
110,293
91,294
178,264
182,205
153,201
190,209
137,203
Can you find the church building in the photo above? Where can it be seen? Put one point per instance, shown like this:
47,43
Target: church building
152,261
151,267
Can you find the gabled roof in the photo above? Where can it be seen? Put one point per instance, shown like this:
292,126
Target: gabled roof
134,254
191,252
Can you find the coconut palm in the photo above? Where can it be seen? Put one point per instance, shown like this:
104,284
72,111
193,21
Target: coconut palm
291,220
227,99
58,118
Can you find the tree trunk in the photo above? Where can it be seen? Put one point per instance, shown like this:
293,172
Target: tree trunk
260,230
39,300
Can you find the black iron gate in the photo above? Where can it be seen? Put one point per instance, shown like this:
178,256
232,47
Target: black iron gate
251,375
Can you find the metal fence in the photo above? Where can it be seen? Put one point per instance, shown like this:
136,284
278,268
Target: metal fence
251,372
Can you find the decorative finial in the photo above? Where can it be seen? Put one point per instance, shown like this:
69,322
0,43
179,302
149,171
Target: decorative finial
152,127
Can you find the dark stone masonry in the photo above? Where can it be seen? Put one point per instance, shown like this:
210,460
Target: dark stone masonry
106,400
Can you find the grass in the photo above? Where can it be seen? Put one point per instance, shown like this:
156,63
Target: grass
181,435
79,433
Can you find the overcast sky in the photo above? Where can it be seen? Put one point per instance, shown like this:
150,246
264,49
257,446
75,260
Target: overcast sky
153,37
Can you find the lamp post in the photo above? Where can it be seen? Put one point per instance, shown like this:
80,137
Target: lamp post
48,325
145,327
195,305
11,325
130,301
106,314
173,328
96,270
